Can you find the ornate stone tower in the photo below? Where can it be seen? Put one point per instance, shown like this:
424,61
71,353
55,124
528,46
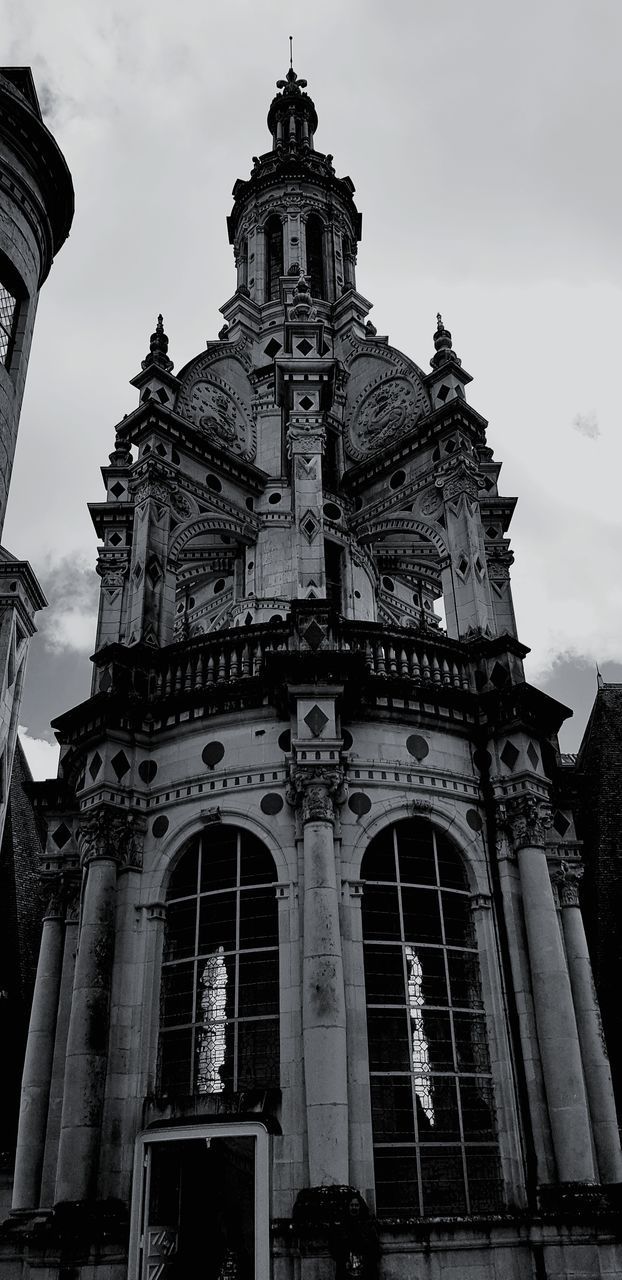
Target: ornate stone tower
314,998
36,209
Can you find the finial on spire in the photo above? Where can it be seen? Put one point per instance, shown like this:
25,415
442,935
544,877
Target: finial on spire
599,678
158,348
442,345
291,53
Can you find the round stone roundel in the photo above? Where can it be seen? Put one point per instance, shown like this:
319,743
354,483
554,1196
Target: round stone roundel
271,803
417,746
212,754
359,803
474,820
160,827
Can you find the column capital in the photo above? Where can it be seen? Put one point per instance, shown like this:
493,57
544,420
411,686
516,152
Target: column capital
567,877
526,820
460,475
317,792
109,834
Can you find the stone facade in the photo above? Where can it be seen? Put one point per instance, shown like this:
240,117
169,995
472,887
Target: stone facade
313,997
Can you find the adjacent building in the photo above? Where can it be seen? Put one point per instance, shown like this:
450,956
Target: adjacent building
314,998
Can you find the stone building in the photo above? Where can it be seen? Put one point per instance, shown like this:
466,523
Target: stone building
597,776
313,997
36,208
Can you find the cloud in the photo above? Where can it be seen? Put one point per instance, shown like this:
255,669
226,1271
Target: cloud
42,756
587,425
69,622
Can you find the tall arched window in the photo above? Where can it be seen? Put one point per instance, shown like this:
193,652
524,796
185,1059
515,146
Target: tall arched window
274,257
11,293
435,1149
219,1029
315,255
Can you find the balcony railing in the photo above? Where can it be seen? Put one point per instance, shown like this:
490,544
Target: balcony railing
227,658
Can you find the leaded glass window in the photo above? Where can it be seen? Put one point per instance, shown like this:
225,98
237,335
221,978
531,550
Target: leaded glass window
435,1149
8,315
219,1028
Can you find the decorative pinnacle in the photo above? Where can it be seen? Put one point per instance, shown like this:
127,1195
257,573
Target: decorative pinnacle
442,345
158,349
291,53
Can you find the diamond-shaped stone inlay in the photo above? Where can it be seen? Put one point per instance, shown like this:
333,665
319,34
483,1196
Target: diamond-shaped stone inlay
310,526
95,765
488,484
115,539
61,836
117,489
509,755
138,572
314,634
463,565
154,572
316,721
304,347
120,764
305,403
560,823
533,756
272,348
499,675
443,392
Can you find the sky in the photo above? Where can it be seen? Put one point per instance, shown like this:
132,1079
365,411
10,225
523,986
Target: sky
483,141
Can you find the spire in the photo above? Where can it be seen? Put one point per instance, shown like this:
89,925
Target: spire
158,349
444,353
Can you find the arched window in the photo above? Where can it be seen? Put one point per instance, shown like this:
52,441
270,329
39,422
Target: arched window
219,1029
274,257
435,1148
315,256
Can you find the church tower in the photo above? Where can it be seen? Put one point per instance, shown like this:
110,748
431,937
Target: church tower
314,999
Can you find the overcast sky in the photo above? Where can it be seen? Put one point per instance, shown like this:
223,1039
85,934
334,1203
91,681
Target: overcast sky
483,140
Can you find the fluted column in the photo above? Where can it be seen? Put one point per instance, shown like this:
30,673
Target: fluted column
527,819
37,1075
105,841
593,1052
323,996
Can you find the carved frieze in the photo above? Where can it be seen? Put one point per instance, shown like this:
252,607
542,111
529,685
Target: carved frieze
567,879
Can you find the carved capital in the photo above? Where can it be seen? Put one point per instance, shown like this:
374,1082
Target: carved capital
112,568
317,793
111,835
499,561
300,441
567,878
457,477
151,488
526,820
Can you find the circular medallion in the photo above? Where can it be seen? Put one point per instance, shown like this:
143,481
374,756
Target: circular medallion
387,409
215,408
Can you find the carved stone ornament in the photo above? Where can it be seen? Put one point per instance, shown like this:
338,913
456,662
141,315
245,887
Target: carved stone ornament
182,504
316,792
387,409
526,819
112,569
568,877
151,489
215,408
457,477
499,561
109,834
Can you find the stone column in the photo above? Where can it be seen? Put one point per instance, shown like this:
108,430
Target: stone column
105,841
527,818
323,995
593,1051
38,1062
